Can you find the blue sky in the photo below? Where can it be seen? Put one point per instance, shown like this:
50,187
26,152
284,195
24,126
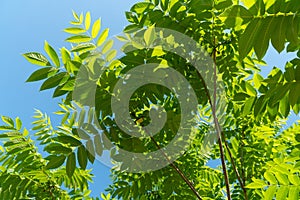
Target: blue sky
25,25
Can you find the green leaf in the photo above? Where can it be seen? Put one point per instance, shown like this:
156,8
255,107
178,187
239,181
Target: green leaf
247,39
52,54
102,37
278,36
79,39
83,47
87,22
262,40
8,121
55,161
82,157
254,185
53,81
68,140
57,149
96,28
74,30
36,59
141,7
294,95
42,73
71,165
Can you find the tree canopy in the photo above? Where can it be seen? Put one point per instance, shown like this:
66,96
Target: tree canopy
180,86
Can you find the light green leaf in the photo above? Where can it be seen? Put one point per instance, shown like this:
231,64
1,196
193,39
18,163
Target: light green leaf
74,30
282,178
8,121
52,54
65,55
102,37
87,21
79,39
269,194
149,36
36,59
76,17
282,192
254,185
270,177
71,165
18,123
83,47
294,179
293,193
96,28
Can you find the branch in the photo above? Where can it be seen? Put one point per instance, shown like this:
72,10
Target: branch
188,182
235,169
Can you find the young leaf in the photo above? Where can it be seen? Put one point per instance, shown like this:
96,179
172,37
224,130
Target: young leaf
102,37
52,54
74,30
79,39
96,28
87,22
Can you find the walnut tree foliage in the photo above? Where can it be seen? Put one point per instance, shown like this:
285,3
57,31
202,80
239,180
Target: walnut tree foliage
261,157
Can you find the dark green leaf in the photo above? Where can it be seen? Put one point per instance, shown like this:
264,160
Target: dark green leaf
41,74
55,161
71,165
82,157
53,81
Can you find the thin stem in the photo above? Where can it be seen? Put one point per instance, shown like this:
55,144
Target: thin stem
188,182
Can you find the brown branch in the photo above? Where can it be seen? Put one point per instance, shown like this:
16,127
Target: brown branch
188,182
